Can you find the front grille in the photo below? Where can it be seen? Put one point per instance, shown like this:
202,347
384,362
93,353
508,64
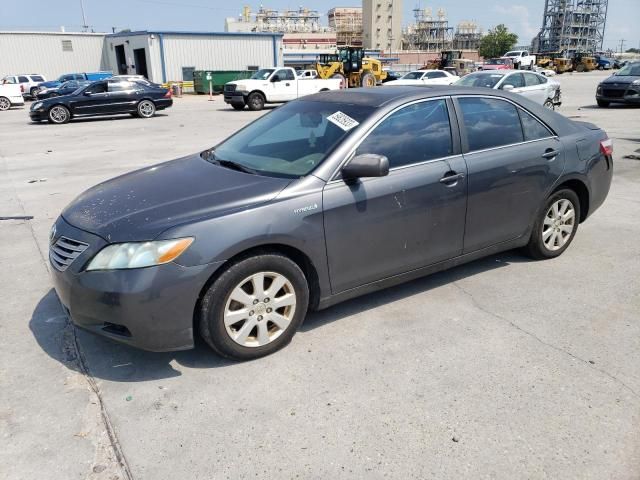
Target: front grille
230,88
65,251
610,93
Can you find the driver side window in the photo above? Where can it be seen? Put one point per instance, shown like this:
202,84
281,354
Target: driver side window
97,88
285,74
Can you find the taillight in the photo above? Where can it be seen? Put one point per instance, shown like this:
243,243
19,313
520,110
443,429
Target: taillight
168,94
606,147
22,88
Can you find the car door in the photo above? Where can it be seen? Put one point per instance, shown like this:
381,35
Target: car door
515,81
513,159
536,90
285,88
123,97
380,227
92,100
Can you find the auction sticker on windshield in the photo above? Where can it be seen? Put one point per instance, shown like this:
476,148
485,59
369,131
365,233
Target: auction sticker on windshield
342,120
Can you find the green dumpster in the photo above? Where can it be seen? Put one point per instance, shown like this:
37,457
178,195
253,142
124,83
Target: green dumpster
214,80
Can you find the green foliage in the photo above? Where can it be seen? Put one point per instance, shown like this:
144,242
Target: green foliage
633,50
497,42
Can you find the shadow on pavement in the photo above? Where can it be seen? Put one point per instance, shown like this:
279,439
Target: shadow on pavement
112,361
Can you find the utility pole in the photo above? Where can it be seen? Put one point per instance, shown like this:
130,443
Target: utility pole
85,27
622,44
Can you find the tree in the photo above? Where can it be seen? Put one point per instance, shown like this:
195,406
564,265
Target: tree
497,42
633,50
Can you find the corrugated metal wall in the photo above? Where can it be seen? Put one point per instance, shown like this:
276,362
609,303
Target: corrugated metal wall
42,53
218,52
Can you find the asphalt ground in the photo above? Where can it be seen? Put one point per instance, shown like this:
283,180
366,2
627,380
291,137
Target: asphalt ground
501,368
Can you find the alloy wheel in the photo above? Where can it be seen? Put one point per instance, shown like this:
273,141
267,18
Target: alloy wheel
59,114
259,309
5,104
558,225
146,109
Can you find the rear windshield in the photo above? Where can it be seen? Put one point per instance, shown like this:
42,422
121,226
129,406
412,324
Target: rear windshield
413,76
488,80
37,78
292,140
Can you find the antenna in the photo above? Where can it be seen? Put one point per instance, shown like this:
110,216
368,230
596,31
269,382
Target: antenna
85,27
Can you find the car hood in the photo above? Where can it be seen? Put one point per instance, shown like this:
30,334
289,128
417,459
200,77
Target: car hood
50,84
140,205
622,79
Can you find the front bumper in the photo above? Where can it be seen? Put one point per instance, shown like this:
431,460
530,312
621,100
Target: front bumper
234,98
619,94
38,115
149,308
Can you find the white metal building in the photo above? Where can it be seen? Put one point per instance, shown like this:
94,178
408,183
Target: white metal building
159,56
51,53
166,56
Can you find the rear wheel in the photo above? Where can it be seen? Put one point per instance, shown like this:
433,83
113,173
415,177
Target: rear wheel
580,68
34,93
5,104
59,114
603,103
255,101
368,80
556,225
146,109
255,307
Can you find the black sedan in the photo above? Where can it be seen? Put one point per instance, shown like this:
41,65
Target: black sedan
66,88
621,87
105,97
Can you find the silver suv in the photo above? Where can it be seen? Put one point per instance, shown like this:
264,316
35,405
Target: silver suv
28,83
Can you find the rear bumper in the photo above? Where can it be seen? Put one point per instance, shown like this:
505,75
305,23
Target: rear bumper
163,103
149,308
16,101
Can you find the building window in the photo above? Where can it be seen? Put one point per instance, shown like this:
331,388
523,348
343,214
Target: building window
67,46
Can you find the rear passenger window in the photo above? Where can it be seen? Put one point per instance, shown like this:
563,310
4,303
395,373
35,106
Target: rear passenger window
414,134
516,81
23,80
533,129
37,78
531,80
490,122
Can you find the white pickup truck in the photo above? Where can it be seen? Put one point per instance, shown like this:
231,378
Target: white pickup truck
273,85
521,59
10,96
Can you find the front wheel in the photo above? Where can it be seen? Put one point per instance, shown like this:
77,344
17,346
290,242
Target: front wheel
549,104
5,104
59,114
368,80
146,109
555,226
255,307
255,101
34,93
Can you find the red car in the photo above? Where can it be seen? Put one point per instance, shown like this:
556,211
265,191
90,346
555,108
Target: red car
497,64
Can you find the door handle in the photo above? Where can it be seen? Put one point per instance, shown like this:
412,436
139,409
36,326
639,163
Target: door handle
287,84
550,153
451,177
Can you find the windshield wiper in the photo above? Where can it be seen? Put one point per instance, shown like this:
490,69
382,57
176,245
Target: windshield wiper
235,166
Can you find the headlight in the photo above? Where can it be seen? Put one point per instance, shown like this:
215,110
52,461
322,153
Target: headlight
139,254
36,106
241,88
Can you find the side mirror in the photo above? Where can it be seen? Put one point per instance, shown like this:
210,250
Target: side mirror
275,78
366,165
507,87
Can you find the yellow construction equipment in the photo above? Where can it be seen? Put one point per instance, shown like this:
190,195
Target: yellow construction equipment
554,61
350,65
584,63
451,60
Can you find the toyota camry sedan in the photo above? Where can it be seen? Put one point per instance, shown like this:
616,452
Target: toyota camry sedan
324,199
105,97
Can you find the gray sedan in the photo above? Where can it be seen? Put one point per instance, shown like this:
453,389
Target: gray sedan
321,200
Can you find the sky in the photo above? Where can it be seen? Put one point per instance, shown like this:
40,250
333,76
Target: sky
524,17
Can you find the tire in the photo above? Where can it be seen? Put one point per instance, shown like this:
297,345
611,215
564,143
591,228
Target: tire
368,80
549,104
550,237
59,114
237,106
343,80
603,103
258,330
580,68
5,104
146,109
256,102
34,93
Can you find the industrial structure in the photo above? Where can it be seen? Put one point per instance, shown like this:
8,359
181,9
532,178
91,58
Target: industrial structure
434,34
382,24
572,26
467,36
347,23
267,20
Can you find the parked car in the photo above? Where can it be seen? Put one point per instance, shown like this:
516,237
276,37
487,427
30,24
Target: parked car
522,59
273,85
604,63
391,76
621,87
92,76
28,83
326,198
498,64
103,98
308,74
547,72
10,96
64,89
426,77
538,88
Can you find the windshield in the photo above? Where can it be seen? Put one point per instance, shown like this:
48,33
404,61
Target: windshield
631,69
488,80
413,76
511,54
497,61
69,84
262,74
292,140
